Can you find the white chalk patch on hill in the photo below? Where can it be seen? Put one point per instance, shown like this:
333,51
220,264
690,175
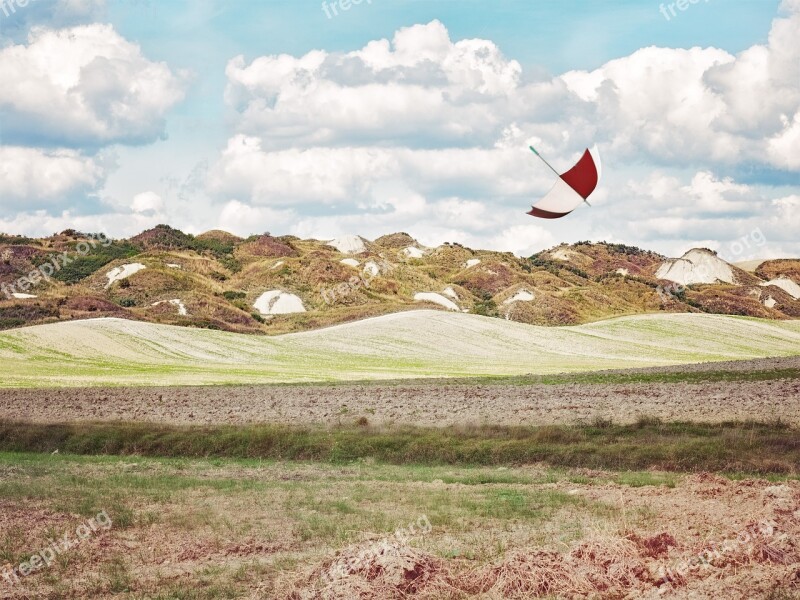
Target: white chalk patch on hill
349,244
696,266
123,272
436,299
786,284
277,302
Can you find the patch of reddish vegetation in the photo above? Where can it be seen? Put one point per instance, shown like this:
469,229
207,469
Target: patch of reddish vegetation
318,268
269,247
732,300
93,304
785,303
17,261
487,278
773,269
162,237
656,546
606,566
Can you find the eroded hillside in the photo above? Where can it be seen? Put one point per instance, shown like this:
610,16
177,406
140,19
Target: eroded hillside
267,284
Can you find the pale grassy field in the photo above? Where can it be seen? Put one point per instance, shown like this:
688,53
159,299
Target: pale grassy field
406,345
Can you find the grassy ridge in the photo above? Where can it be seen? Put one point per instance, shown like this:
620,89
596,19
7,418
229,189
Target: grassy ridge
762,448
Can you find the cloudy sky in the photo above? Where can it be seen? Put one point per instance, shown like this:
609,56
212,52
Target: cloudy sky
297,117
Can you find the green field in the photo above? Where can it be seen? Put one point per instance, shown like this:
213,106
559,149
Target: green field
419,344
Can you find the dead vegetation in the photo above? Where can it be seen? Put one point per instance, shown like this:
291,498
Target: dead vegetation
600,566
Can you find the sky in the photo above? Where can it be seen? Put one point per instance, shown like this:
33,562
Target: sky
322,119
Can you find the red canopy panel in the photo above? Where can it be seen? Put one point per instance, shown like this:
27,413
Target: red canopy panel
583,177
546,214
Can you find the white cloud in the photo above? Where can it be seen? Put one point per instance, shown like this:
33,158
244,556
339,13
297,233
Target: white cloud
677,106
83,86
421,87
784,149
522,240
45,177
358,174
710,194
42,223
425,134
702,104
245,220
147,202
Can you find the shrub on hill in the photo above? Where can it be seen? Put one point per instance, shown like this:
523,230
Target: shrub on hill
620,248
230,295
16,240
84,266
91,304
555,267
164,237
20,315
486,306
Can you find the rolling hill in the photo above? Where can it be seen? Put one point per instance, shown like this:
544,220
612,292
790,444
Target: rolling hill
414,344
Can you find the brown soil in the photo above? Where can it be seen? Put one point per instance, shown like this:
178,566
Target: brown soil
425,403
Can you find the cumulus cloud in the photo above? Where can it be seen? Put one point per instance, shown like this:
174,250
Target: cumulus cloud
147,202
245,220
706,195
31,176
419,132
421,89
357,174
442,127
84,86
702,104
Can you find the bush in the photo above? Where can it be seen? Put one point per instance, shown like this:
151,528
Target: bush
127,302
230,263
233,295
16,240
486,306
84,266
555,267
21,315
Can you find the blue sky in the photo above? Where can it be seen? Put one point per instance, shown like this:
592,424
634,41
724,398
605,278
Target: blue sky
202,35
270,115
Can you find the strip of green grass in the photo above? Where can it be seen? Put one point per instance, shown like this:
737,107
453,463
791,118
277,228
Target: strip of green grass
591,377
645,377
762,448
